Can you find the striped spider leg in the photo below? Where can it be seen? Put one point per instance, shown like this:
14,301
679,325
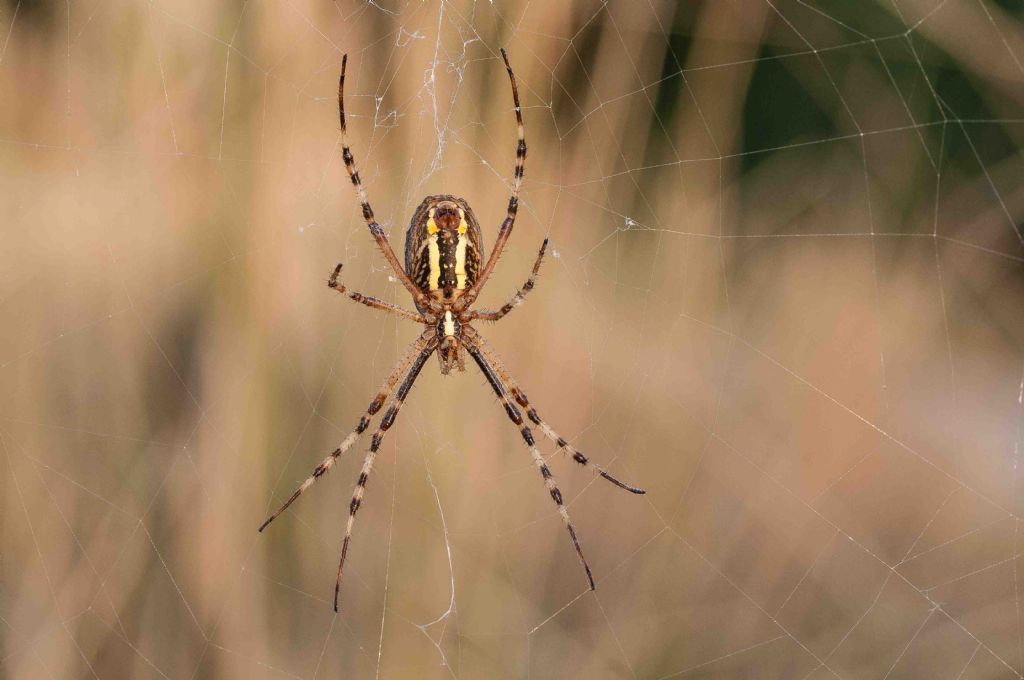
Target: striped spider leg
372,302
422,299
508,391
385,423
444,272
411,354
549,480
520,397
408,366
520,295
469,296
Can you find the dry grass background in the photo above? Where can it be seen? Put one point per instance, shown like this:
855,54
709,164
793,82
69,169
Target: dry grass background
787,299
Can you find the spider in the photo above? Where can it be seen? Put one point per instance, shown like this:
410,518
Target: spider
443,273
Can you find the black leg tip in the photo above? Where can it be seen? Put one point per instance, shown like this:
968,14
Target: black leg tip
590,576
333,281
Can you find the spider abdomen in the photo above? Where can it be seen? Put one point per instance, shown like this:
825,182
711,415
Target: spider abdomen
446,261
443,247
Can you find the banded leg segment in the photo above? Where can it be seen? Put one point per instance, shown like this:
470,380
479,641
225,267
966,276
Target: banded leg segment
385,423
415,350
469,297
376,230
520,295
531,413
371,301
516,417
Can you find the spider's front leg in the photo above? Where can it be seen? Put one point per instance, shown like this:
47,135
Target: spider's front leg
422,300
467,300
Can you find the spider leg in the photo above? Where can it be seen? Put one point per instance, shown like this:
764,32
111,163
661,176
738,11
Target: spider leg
415,350
531,413
371,301
375,229
513,203
520,295
513,413
386,422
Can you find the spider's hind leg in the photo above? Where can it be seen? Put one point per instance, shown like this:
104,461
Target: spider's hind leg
364,473
549,432
327,463
549,480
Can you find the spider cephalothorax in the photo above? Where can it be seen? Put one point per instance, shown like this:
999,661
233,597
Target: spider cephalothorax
444,272
449,342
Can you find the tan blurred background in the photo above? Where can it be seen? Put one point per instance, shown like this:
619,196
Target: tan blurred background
786,295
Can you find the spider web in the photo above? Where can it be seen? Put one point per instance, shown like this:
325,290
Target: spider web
785,296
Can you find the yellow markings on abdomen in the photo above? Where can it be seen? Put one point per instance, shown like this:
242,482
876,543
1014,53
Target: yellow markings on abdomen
431,224
460,262
434,253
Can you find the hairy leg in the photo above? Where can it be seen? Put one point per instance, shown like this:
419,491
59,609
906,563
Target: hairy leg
520,295
513,203
371,301
513,413
376,230
520,398
385,423
411,354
